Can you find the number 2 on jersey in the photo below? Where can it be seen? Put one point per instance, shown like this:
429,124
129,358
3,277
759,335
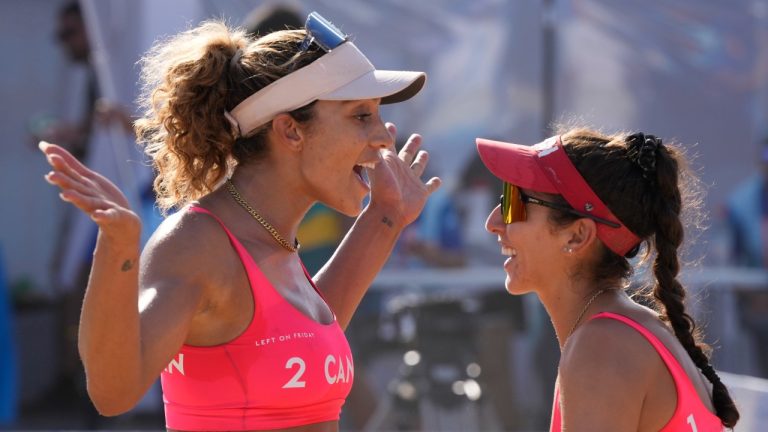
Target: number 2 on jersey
294,382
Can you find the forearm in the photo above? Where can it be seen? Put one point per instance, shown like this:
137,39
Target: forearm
361,255
109,336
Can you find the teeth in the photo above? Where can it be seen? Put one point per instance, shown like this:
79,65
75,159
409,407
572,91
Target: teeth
369,165
507,251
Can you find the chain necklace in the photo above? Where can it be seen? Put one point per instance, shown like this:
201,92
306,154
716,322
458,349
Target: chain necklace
584,310
267,226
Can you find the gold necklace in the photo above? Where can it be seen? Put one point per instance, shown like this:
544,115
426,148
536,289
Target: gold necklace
584,310
267,226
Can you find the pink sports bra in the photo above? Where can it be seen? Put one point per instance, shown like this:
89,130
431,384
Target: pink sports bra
691,415
285,370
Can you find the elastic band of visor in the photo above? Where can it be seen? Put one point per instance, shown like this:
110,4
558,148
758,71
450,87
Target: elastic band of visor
559,169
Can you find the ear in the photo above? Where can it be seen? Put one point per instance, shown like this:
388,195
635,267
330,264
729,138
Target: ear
288,132
579,236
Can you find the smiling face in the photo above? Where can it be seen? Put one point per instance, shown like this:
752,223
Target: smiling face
342,141
533,247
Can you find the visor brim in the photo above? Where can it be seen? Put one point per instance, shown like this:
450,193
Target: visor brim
389,86
514,163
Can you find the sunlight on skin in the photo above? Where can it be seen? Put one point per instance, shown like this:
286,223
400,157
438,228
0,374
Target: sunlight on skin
146,297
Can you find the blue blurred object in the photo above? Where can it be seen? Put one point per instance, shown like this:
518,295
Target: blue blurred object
8,383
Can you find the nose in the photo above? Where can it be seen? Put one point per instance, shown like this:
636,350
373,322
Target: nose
381,137
494,224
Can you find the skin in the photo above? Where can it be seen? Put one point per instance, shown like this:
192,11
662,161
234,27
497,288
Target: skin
189,297
610,378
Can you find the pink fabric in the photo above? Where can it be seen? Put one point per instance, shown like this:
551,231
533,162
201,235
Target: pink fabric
691,415
284,370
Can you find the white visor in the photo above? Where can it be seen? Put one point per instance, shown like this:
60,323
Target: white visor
342,74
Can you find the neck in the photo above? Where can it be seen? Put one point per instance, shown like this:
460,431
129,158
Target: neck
567,306
279,203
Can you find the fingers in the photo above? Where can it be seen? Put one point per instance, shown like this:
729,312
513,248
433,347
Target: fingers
420,163
86,203
65,182
62,157
392,131
65,176
106,216
433,184
410,149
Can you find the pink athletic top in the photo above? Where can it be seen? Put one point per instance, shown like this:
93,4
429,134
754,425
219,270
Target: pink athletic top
691,415
284,370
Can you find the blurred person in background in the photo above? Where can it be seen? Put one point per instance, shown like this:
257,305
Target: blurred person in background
747,222
575,209
245,136
74,135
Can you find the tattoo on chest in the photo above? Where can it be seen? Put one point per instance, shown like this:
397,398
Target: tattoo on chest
127,265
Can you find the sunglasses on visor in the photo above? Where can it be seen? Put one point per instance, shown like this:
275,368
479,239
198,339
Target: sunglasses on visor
513,202
321,32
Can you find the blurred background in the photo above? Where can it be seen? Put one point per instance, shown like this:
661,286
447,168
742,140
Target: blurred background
439,345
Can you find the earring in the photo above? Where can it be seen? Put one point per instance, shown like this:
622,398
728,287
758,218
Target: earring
567,249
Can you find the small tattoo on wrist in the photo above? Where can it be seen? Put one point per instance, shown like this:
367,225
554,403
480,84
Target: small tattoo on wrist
387,221
127,265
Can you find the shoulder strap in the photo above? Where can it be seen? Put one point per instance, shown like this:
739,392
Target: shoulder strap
255,276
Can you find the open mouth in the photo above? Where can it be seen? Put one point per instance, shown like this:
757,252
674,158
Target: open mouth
362,171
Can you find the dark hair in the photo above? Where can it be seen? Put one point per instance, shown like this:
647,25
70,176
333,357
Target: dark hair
276,17
647,185
70,8
189,81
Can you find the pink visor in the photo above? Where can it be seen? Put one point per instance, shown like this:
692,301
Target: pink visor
545,167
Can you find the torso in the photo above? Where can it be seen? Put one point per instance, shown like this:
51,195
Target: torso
661,397
227,310
227,305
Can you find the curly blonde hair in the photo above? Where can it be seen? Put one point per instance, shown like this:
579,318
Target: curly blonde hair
188,82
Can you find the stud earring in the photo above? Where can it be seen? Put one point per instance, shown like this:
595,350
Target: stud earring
567,249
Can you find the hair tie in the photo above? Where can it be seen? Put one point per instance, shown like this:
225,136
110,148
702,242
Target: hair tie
642,151
236,57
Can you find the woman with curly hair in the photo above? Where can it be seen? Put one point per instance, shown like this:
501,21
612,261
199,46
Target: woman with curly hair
575,209
245,135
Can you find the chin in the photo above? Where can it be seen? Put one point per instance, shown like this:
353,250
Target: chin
514,288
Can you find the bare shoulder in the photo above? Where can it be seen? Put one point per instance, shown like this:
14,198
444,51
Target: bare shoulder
607,365
184,251
608,350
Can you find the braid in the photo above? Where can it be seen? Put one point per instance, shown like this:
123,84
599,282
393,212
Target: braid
668,290
649,201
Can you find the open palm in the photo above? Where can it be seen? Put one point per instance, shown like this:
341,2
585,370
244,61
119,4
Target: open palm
396,180
92,193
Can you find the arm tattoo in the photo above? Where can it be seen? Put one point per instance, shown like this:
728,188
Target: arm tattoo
387,221
127,265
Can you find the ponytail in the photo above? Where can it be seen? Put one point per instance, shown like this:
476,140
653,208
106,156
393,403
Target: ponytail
649,201
189,82
670,293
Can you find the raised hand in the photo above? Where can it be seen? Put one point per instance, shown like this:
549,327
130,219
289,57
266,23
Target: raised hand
92,193
396,181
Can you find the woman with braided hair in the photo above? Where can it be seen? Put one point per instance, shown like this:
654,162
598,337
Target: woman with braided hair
245,135
575,209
